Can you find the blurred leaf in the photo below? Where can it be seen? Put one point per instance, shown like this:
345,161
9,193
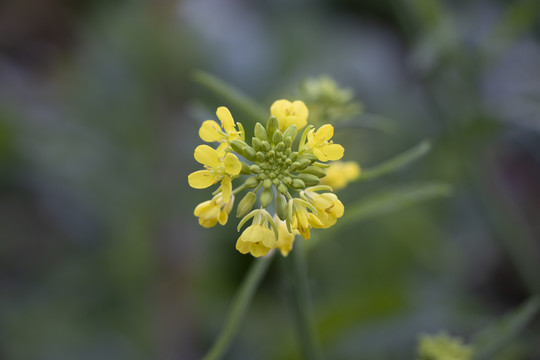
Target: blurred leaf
488,341
233,96
386,202
396,163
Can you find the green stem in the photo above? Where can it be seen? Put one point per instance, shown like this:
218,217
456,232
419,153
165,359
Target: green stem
303,308
232,95
397,162
240,304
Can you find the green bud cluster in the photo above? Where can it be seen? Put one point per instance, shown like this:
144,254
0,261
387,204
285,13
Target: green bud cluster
275,166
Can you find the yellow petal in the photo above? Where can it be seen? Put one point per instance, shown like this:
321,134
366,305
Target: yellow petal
202,207
208,223
210,131
242,246
223,217
325,133
268,237
205,155
330,152
301,113
224,115
226,189
201,179
233,166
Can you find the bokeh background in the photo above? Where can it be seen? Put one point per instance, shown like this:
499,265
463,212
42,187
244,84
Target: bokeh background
100,254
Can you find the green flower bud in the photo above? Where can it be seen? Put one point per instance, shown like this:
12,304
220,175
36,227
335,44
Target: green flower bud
245,169
277,137
260,156
290,132
281,206
293,156
280,146
311,157
287,180
309,180
267,195
303,163
255,168
238,146
256,143
288,141
271,126
282,188
245,205
295,165
315,170
260,132
267,183
249,153
298,184
251,182
276,182
266,146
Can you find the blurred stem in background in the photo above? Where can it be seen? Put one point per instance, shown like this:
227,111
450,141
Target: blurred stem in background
245,293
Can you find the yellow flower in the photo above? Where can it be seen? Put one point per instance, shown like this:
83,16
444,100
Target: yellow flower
210,130
286,239
328,207
288,113
321,146
301,219
218,168
258,239
339,174
212,211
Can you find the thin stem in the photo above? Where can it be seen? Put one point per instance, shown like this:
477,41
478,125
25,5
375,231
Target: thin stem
240,304
233,96
303,308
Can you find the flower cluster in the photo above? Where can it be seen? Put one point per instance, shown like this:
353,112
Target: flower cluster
279,169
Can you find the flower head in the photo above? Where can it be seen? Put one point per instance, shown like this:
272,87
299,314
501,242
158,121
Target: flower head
321,146
213,211
211,131
289,113
219,167
278,170
443,347
339,174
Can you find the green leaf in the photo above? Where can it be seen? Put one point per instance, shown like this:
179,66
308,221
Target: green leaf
396,163
233,97
385,202
489,340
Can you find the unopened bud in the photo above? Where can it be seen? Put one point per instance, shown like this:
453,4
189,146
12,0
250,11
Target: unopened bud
245,205
238,146
281,206
277,137
260,132
298,184
290,132
271,126
255,168
251,182
256,143
266,146
309,180
245,169
267,195
267,183
315,170
282,188
249,153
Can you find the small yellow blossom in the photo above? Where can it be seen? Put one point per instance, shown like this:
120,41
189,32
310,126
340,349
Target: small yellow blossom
286,239
288,113
218,168
322,147
301,219
213,211
328,207
443,347
339,174
257,239
210,130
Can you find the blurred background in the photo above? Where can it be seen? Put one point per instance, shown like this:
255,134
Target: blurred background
100,254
